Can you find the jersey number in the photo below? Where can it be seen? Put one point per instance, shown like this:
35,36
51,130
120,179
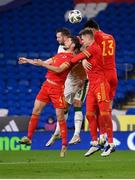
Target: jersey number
110,50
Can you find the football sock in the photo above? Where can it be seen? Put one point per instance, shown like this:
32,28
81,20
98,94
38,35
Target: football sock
57,130
63,132
78,119
93,126
66,115
32,125
101,123
109,127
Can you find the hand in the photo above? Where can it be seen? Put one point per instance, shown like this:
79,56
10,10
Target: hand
87,66
22,60
38,62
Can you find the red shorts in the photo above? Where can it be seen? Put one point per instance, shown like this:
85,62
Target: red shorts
111,76
98,97
52,93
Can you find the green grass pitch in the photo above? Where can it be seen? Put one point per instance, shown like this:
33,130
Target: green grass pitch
48,165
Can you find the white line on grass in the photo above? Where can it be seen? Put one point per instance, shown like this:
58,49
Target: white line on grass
56,162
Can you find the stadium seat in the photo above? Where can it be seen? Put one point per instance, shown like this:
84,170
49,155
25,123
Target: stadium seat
31,34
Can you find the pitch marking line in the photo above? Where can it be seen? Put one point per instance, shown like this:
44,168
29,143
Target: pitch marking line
56,162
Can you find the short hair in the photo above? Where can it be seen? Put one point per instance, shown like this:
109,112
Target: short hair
64,31
91,23
86,31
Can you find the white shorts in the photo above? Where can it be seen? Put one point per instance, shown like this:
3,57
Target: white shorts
75,92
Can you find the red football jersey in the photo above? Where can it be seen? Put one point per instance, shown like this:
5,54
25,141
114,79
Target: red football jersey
107,44
58,60
94,55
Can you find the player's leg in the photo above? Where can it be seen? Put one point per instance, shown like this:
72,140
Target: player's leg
91,108
63,130
56,134
112,80
78,119
58,100
68,100
38,107
40,102
103,134
79,98
105,122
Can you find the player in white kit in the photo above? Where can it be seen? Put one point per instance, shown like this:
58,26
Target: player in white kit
75,91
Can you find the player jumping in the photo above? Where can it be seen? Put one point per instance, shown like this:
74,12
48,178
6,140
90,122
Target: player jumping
74,92
52,90
98,92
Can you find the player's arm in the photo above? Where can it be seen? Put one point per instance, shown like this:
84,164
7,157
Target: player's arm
59,69
85,54
23,60
48,61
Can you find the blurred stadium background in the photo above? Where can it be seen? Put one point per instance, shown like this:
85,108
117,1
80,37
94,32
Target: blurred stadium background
27,28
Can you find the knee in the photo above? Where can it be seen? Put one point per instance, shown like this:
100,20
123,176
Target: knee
104,113
90,115
60,116
77,103
36,110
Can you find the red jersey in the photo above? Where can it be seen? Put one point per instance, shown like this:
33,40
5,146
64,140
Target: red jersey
107,44
94,55
58,60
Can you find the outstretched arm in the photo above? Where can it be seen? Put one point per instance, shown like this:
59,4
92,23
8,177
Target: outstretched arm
48,61
79,57
61,68
23,60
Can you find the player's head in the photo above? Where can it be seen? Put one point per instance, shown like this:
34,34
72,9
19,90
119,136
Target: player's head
73,43
62,34
91,23
87,36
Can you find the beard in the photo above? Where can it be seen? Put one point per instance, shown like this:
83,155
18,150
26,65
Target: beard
62,43
65,48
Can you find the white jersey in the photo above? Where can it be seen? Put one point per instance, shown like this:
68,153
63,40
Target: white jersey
75,79
61,49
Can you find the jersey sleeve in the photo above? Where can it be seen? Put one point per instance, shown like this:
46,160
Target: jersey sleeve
67,60
85,54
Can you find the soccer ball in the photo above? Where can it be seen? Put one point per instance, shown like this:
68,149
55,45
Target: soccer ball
75,16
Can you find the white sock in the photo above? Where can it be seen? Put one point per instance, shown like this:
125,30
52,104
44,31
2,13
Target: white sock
78,119
57,130
103,136
66,115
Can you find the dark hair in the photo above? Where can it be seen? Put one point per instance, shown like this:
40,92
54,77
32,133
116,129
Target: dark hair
64,31
77,43
91,23
87,31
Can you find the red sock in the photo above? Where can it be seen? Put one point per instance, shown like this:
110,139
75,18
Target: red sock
93,127
63,131
102,128
108,126
32,125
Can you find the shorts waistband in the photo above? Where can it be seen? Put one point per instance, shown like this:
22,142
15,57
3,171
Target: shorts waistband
52,82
